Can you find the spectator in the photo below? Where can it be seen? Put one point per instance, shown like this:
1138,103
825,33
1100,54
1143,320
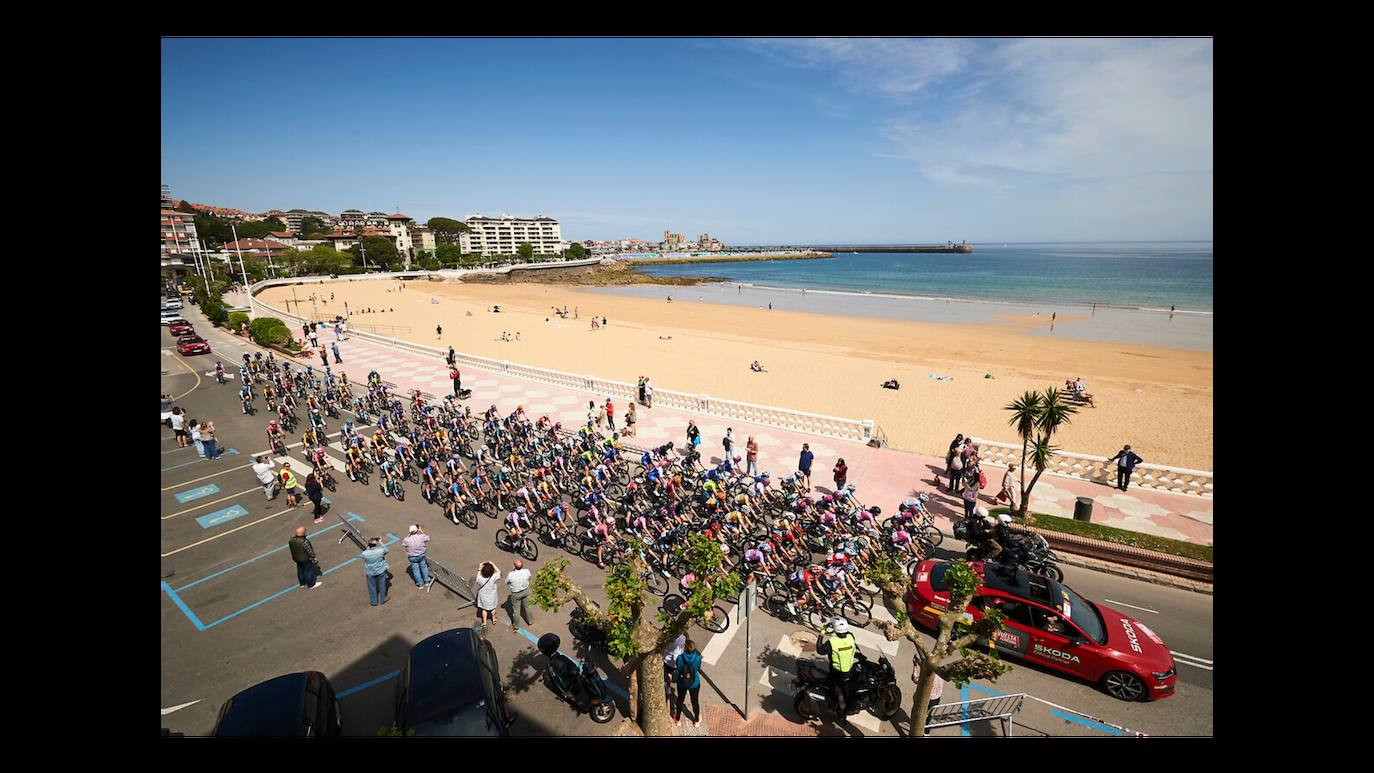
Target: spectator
1008,493
518,581
1126,460
610,414
804,464
630,420
179,426
195,437
670,667
728,442
841,472
452,357
337,359
689,682
693,434
487,575
751,456
970,497
315,492
417,548
289,485
207,437
954,463
648,394
303,553
262,467
374,570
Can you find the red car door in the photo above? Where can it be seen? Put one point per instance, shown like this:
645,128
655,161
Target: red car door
1057,643
1015,637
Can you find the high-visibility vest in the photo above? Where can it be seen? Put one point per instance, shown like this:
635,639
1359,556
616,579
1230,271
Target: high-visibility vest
842,650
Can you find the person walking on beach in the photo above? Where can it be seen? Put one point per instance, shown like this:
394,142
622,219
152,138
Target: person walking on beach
416,545
303,553
804,464
438,331
518,581
374,570
751,457
1126,460
485,582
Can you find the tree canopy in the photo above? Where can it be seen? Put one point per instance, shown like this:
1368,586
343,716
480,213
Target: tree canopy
525,251
446,230
380,251
576,251
311,225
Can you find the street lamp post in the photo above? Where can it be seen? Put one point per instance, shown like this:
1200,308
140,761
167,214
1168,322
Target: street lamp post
246,288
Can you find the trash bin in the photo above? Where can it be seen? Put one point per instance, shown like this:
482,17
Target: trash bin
1083,509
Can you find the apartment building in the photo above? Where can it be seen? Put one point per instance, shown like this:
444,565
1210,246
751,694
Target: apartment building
293,219
352,220
179,234
503,235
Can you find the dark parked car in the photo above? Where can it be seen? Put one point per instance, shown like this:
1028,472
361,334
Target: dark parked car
451,686
293,705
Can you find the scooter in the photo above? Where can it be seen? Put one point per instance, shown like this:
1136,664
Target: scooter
578,684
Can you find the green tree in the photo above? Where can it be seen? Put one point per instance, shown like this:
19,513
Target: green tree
323,259
311,224
953,633
449,255
446,230
525,251
577,251
1036,418
380,251
635,630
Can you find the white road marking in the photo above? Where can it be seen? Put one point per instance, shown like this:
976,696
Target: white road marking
217,501
1191,660
780,680
207,477
876,641
1132,606
231,531
716,647
165,712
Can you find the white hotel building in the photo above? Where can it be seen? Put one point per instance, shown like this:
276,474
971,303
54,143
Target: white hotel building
503,235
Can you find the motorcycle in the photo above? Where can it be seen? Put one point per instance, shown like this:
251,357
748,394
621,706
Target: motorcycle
1031,551
873,687
576,683
584,631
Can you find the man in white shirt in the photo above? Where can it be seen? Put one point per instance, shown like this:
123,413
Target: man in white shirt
1009,485
263,469
518,581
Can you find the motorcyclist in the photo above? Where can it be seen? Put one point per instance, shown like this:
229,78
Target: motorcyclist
841,648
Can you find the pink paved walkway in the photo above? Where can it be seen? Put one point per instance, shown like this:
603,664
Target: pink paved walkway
883,476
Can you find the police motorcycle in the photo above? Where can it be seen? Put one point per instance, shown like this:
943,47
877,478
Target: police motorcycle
872,687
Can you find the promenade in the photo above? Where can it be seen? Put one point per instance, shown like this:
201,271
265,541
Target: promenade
883,476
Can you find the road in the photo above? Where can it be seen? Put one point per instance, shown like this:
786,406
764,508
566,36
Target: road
232,616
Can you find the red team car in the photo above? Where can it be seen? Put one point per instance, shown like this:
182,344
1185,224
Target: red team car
192,344
1048,623
181,328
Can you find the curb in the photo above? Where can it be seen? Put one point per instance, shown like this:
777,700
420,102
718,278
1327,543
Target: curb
1146,563
1136,573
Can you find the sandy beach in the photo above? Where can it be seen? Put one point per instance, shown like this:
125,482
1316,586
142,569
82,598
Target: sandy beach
1155,398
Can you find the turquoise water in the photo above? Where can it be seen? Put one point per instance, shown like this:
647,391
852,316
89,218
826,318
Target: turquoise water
1136,275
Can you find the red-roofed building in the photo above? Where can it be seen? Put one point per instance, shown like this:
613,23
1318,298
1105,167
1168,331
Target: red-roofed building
258,246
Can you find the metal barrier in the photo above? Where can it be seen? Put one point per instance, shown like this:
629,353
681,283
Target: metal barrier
1000,707
451,580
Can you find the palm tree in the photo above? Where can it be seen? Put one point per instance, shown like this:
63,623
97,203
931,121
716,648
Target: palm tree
1041,416
1025,410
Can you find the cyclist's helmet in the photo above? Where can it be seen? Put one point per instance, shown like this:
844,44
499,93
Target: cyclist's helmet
827,498
877,511
850,487
520,510
736,458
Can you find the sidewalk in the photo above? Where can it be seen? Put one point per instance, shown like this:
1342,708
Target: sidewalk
882,476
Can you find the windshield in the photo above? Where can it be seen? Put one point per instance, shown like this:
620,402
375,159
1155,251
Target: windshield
472,719
1084,615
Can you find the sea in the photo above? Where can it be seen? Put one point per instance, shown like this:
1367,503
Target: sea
1133,285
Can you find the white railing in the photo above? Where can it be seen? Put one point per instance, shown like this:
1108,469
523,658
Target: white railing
1098,468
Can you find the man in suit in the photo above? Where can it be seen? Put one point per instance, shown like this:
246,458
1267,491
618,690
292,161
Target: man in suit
1126,460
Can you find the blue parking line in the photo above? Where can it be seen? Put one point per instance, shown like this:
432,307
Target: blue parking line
384,677
1088,722
609,684
963,726
222,516
394,540
197,493
981,688
185,609
197,461
352,517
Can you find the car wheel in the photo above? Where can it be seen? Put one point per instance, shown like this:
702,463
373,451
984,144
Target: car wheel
1124,686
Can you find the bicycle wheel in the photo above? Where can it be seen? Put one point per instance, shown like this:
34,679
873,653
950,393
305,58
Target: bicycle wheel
776,605
501,535
857,613
658,584
399,492
528,549
331,484
468,517
718,621
932,535
672,603
816,619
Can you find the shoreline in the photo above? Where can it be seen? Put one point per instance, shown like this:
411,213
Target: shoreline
1158,399
748,257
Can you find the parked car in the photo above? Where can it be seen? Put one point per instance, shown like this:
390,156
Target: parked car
169,316
451,686
192,344
180,328
294,705
1050,624
172,303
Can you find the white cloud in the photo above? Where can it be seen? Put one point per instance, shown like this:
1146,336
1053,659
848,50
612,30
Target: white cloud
896,67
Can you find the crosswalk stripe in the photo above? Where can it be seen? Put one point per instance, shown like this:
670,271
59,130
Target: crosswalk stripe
716,646
876,641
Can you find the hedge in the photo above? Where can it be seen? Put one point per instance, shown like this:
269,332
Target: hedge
263,330
237,320
1114,535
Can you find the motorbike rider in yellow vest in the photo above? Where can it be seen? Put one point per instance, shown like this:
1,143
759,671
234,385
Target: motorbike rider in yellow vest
841,648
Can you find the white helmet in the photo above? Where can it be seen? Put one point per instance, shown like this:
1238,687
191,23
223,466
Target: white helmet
840,625
982,512
1004,518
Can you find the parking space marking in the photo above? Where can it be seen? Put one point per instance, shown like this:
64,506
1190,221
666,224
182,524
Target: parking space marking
193,373
351,517
174,450
372,683
221,516
215,502
197,493
206,626
231,531
169,710
204,477
233,451
1132,606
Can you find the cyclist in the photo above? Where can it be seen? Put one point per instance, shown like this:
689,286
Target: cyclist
803,582
601,536
429,478
390,473
246,398
219,372
516,523
354,456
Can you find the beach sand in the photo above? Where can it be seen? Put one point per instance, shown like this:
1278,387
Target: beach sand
1157,399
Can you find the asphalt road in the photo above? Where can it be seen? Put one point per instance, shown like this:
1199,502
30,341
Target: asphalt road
224,563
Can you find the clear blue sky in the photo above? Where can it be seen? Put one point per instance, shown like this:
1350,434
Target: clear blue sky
752,140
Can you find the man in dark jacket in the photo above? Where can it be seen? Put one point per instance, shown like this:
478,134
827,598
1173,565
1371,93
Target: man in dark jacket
303,553
315,493
1126,460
